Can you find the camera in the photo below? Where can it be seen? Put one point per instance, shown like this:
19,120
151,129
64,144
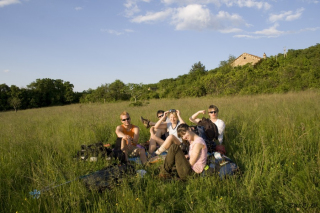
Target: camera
172,110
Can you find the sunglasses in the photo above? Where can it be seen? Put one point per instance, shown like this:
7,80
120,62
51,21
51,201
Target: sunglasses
126,119
213,112
160,116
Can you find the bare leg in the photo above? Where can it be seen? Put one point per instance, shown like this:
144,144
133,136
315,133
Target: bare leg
155,139
143,156
124,148
171,139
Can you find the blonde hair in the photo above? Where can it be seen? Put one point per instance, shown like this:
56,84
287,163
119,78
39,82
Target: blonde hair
124,113
174,114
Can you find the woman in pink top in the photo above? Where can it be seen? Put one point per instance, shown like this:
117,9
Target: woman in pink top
195,161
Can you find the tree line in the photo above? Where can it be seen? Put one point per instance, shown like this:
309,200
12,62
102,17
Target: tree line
296,71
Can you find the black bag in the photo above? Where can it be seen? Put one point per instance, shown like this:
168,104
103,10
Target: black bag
200,130
108,177
210,129
97,150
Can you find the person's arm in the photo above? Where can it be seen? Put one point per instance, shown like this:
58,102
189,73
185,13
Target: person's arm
120,133
179,117
194,118
161,122
195,153
136,135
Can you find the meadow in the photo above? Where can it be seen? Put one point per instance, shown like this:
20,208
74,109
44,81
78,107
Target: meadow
274,139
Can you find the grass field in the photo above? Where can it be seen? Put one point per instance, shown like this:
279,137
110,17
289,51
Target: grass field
274,139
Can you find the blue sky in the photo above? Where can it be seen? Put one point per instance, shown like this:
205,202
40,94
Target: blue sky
94,42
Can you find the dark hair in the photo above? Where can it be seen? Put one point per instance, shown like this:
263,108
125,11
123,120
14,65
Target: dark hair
159,111
214,107
182,129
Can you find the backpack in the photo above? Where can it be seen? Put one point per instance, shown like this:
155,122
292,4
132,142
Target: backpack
108,177
200,130
96,150
210,129
221,164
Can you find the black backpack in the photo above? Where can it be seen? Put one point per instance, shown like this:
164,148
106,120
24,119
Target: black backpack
108,177
97,150
199,130
210,129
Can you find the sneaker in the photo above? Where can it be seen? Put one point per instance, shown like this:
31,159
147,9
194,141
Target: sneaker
164,176
145,122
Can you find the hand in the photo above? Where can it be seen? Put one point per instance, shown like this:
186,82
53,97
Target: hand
165,114
202,111
178,112
129,139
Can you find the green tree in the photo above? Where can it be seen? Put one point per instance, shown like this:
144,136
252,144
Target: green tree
4,95
135,91
15,103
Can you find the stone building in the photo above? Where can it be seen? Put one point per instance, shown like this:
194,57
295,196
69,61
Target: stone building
245,58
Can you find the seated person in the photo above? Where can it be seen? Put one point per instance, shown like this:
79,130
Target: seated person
128,136
147,123
160,132
194,162
213,115
175,121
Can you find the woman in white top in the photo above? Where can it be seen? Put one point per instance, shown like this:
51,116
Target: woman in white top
213,115
172,126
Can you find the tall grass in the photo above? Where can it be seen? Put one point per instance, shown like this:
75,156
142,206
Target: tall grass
273,138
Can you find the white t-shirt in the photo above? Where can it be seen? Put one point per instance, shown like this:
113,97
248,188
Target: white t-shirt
173,131
221,126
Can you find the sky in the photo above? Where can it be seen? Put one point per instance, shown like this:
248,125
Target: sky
94,42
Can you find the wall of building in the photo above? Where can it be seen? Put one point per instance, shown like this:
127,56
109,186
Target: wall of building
246,58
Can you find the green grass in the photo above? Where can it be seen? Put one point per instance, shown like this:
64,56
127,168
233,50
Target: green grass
273,138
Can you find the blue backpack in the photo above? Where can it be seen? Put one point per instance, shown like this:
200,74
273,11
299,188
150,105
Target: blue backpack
222,165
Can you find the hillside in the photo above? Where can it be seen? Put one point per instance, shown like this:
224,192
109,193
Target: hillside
298,71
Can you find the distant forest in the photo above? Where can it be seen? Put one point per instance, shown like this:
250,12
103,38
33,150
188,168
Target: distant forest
298,71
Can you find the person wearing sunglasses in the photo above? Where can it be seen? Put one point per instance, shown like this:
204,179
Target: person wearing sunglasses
128,137
172,126
160,132
213,115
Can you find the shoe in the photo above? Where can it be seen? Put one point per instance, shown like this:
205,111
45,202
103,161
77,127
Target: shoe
165,176
145,122
151,155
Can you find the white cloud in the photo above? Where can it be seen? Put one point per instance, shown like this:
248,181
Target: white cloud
4,3
199,17
151,17
245,36
252,3
270,32
114,32
218,3
5,70
230,30
286,15
129,30
192,17
311,1
78,8
132,7
310,29
186,2
295,16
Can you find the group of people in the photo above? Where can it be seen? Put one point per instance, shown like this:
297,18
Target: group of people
167,134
